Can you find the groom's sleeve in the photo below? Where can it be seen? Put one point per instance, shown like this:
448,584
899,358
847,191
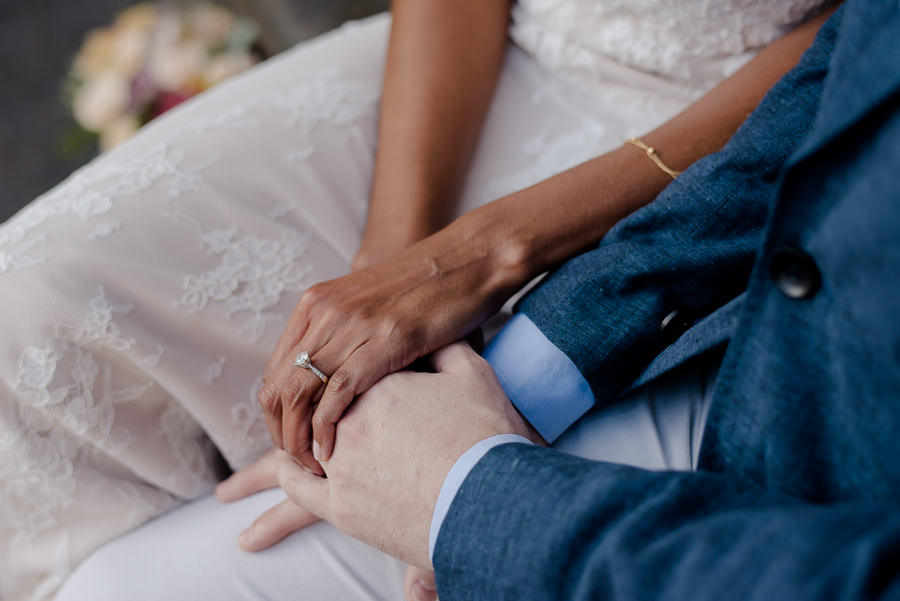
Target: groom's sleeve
687,254
533,524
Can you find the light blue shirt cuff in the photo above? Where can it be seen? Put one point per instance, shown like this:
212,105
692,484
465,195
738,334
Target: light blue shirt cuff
457,475
539,379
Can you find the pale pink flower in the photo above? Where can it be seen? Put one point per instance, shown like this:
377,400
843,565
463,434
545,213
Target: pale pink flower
179,66
212,24
118,131
101,100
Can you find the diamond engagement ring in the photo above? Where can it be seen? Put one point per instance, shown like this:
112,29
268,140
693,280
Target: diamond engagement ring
302,360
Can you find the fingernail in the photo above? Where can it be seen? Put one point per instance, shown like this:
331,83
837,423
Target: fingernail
298,463
422,592
222,489
244,537
317,450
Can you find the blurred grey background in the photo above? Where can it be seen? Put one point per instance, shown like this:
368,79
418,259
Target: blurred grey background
38,39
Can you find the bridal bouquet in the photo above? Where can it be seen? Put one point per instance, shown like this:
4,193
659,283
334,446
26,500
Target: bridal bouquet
153,57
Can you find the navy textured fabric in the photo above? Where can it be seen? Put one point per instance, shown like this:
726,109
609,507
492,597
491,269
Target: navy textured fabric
786,247
691,250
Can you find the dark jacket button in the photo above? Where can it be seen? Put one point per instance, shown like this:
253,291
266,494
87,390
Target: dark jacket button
674,325
795,273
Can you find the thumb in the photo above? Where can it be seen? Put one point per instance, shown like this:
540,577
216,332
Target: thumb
452,357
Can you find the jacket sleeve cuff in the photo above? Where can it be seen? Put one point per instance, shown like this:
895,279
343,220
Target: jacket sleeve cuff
457,475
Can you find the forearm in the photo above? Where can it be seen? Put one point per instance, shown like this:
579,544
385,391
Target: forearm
443,63
591,530
556,219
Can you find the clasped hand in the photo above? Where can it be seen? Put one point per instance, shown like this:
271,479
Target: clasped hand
395,447
370,323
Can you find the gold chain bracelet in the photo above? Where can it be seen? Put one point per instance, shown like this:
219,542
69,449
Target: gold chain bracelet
651,152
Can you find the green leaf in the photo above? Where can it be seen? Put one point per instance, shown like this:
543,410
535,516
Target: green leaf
243,35
76,142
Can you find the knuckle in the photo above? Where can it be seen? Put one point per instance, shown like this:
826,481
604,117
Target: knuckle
292,394
311,299
332,313
352,429
290,445
320,421
302,432
388,328
299,444
312,295
296,440
267,396
340,380
476,360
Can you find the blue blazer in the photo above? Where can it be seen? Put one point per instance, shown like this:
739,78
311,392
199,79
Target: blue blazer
783,251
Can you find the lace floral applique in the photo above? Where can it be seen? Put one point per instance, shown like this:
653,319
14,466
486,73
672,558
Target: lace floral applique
153,359
92,191
66,408
20,259
689,41
548,155
327,98
250,278
214,371
194,453
104,230
280,210
234,116
247,437
61,375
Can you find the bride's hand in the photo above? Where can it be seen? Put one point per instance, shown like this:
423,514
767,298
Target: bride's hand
279,521
378,320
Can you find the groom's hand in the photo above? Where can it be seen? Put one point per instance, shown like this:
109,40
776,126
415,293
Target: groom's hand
395,447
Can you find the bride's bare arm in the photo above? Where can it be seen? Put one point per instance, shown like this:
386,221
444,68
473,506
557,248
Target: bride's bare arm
379,319
443,62
590,198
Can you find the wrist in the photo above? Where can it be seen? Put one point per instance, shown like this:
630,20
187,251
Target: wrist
554,220
412,205
491,235
389,233
397,230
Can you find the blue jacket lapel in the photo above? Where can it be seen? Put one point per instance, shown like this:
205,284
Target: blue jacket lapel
864,71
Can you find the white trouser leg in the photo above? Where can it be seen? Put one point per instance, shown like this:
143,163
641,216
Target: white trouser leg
191,553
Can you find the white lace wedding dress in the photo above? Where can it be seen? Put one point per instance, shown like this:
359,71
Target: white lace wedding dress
142,296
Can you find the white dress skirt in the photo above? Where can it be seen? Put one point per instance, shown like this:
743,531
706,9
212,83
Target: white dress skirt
140,298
